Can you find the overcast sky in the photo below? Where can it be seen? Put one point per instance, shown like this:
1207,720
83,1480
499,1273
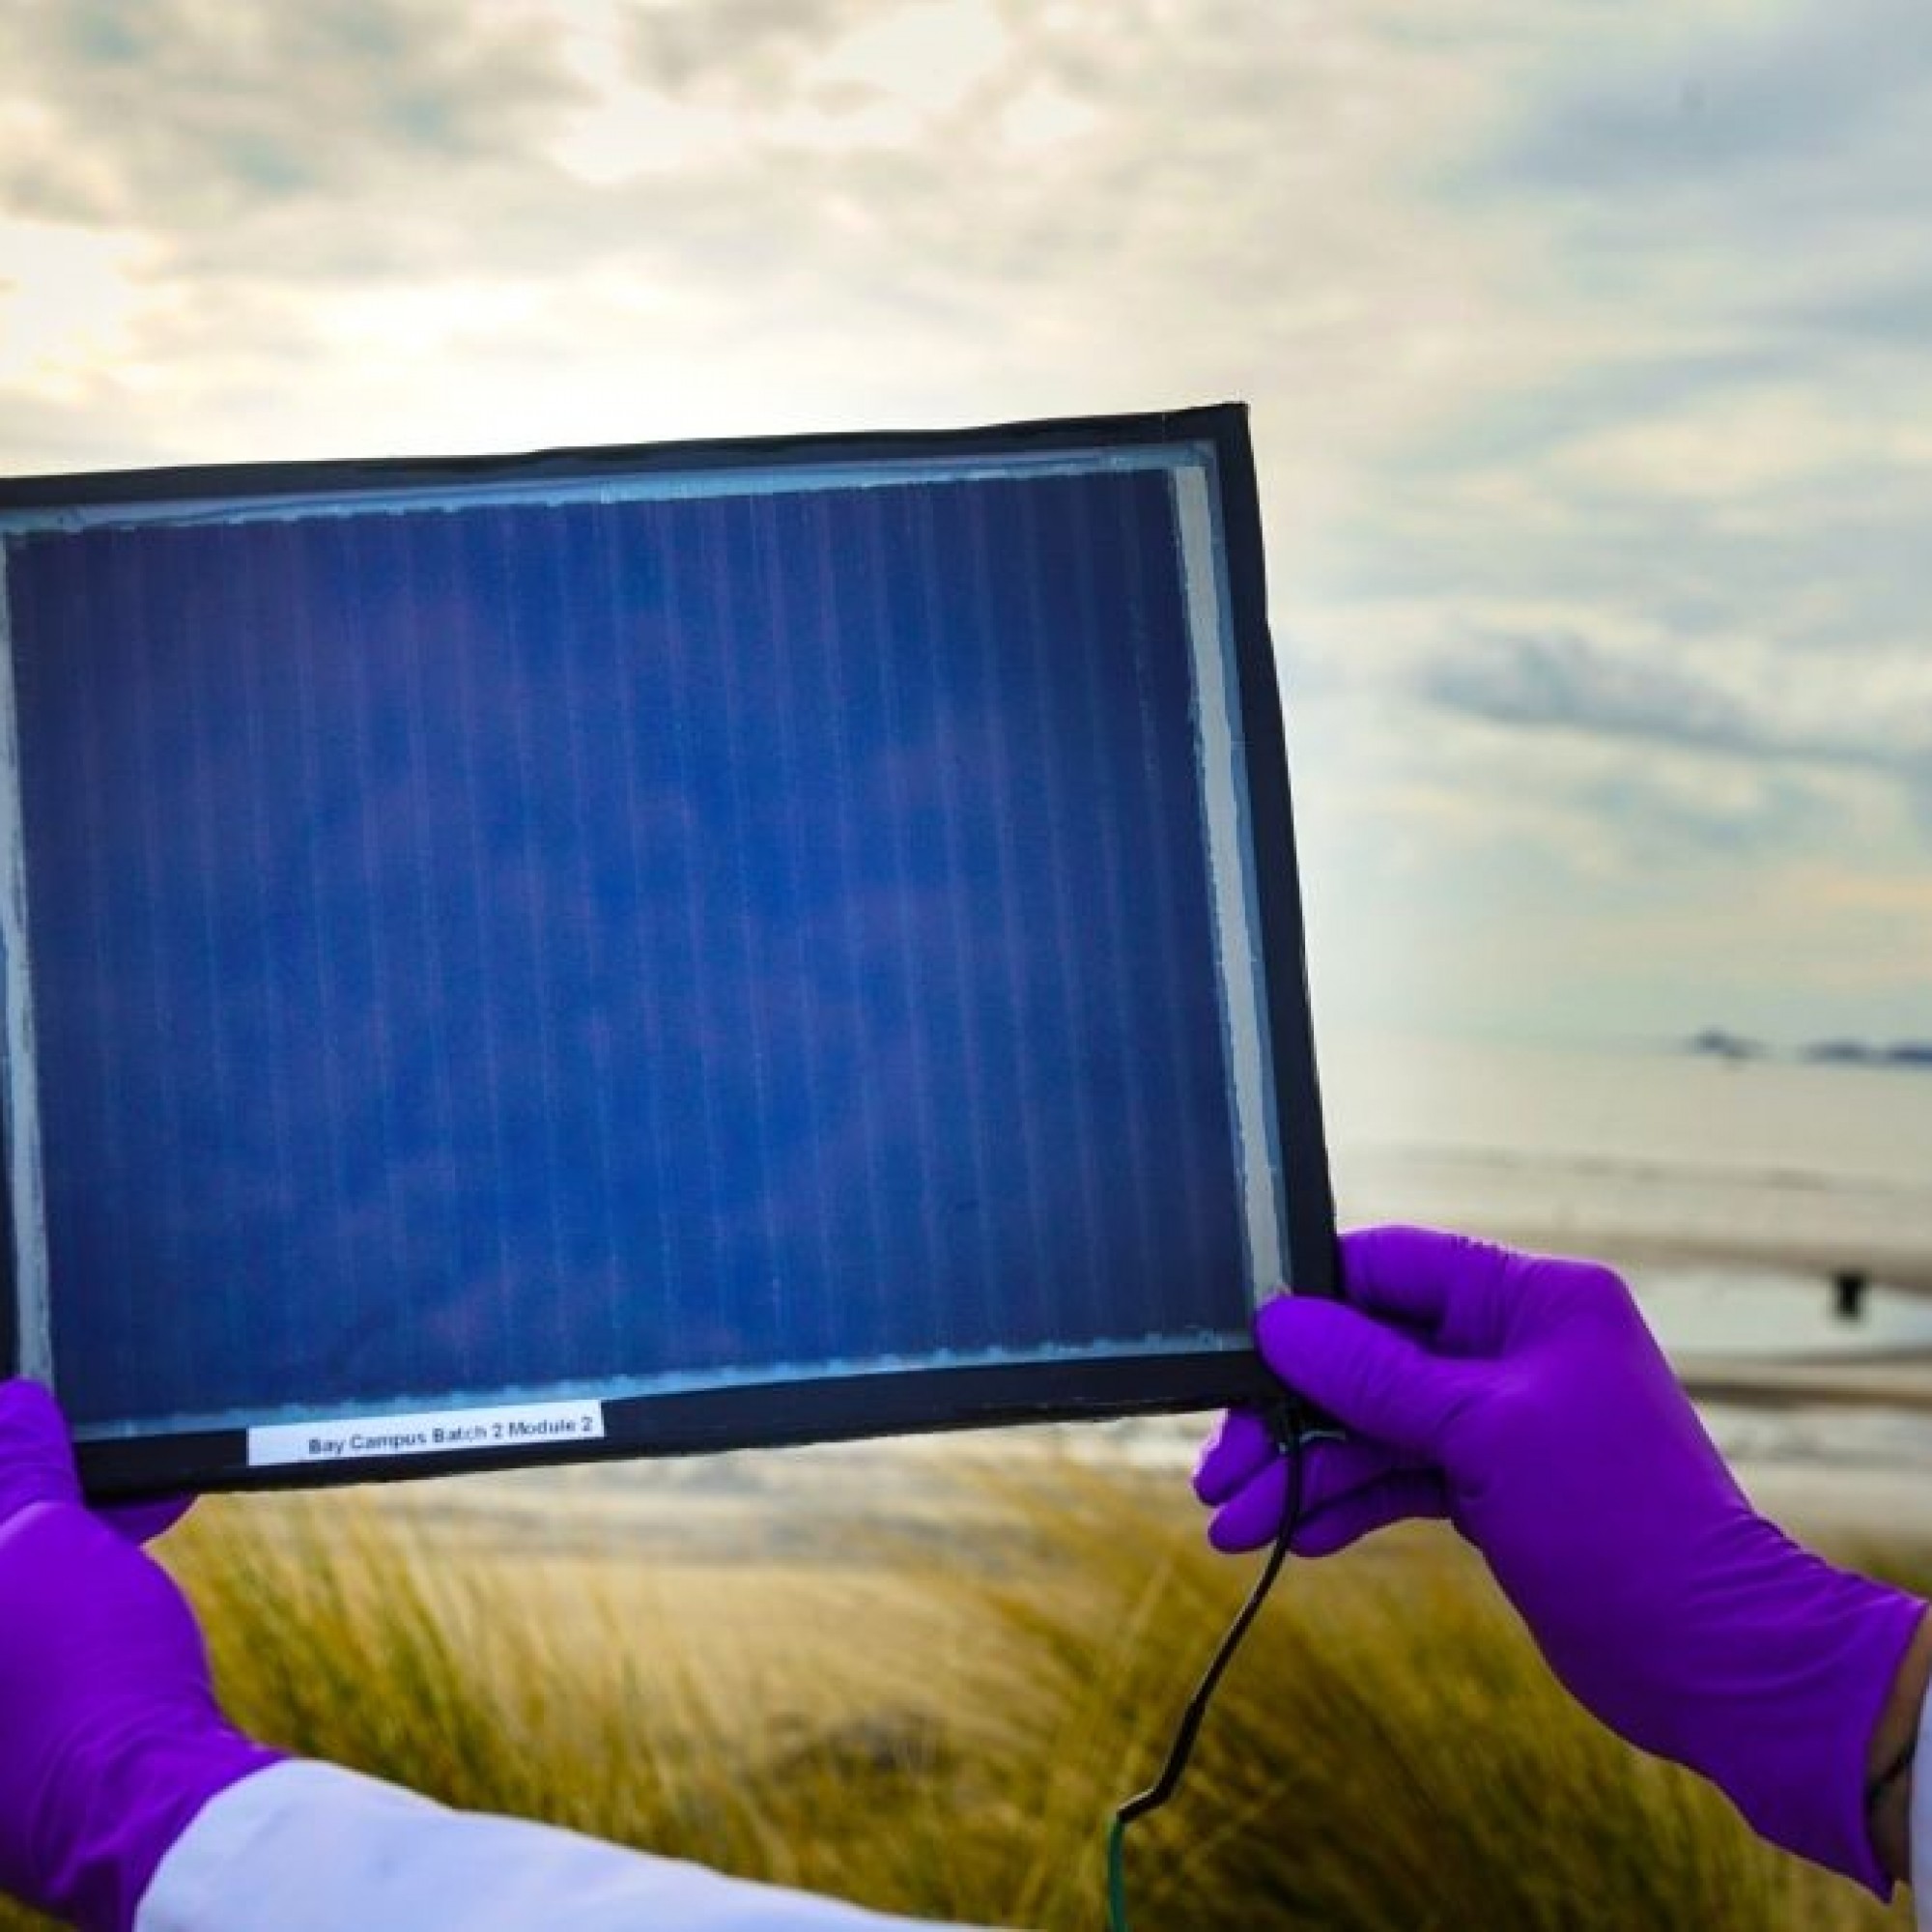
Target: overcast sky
1587,346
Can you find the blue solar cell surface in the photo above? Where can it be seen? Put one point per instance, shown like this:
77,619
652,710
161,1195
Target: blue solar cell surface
591,944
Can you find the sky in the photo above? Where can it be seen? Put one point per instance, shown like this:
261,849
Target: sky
1585,342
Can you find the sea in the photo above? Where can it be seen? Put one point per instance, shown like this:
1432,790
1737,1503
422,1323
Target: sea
1733,1190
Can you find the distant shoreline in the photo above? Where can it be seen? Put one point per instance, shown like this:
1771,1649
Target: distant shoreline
1737,1048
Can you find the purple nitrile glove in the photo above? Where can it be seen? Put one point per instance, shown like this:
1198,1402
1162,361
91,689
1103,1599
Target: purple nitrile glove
145,1521
110,1738
1525,1400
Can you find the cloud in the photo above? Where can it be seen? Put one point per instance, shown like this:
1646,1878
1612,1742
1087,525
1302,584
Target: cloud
182,112
748,48
1569,683
1752,108
1753,180
743,216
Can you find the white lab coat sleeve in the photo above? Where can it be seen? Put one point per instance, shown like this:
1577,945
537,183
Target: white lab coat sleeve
308,1847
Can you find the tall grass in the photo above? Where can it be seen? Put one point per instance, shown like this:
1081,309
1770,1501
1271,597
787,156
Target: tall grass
940,1723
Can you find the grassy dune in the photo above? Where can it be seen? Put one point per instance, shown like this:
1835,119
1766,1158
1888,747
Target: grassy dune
939,1721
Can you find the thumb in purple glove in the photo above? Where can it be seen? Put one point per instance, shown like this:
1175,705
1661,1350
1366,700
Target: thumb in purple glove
110,1738
1525,1400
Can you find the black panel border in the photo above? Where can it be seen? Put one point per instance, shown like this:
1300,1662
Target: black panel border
849,1406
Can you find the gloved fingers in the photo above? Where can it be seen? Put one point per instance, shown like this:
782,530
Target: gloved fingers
1243,1444
35,1455
1401,1497
1331,1473
1240,1448
1252,1515
1373,1381
144,1520
1332,1470
1425,1279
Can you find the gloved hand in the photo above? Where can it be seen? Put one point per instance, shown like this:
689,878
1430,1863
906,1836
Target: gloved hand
1525,1400
110,1738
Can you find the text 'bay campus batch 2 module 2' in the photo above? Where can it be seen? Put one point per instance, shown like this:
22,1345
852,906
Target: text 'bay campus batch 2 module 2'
646,949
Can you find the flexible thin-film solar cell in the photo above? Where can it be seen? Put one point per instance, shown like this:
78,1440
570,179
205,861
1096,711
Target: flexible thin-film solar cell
682,947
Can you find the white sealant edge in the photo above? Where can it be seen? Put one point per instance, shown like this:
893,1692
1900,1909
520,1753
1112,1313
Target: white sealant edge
1216,706
24,1179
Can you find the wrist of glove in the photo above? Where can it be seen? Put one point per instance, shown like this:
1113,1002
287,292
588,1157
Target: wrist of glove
1766,1669
113,1738
1524,1400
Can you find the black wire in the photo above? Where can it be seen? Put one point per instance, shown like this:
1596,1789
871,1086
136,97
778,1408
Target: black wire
1293,1434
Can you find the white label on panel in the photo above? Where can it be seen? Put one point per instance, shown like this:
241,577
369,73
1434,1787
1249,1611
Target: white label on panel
527,1424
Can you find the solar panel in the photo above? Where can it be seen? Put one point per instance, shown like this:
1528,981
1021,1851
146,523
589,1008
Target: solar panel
640,950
